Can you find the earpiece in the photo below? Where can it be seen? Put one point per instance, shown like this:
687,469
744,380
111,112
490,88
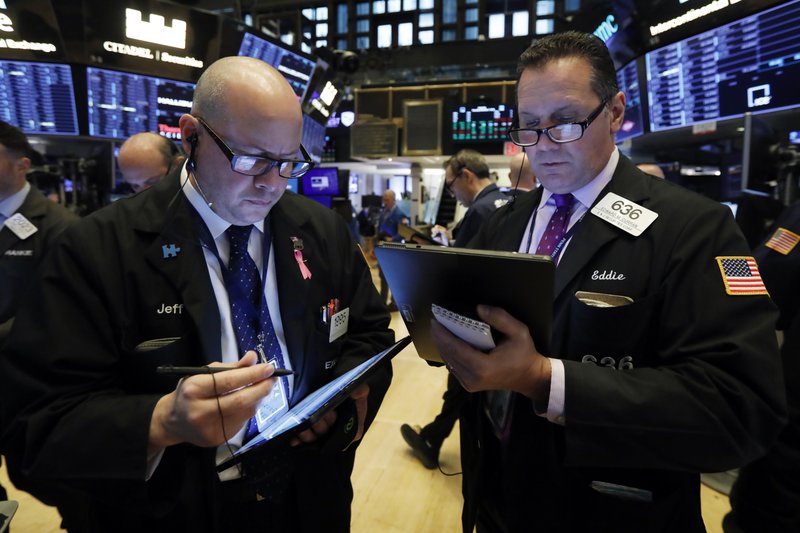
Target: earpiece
190,164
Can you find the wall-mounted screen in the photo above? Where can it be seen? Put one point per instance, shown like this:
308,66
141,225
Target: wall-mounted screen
321,181
313,138
752,64
296,68
38,97
482,122
121,104
293,184
628,80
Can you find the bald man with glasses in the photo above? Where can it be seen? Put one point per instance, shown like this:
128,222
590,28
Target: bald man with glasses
217,264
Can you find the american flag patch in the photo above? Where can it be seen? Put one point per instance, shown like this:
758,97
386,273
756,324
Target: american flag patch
741,276
783,241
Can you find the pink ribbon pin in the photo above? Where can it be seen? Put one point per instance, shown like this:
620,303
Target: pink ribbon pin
298,256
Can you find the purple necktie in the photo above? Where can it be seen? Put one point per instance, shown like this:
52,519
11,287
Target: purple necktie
557,227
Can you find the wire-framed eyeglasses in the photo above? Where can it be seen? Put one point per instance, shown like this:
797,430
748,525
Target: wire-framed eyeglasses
257,165
560,133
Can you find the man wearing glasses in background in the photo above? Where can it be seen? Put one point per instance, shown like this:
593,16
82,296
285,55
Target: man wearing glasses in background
662,363
212,265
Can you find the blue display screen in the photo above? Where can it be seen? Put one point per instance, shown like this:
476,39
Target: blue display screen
633,124
38,97
321,181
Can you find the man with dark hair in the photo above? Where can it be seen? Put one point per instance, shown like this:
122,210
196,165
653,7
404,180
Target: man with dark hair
29,226
662,360
145,158
215,264
466,178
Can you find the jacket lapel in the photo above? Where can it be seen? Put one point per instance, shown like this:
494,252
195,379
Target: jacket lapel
593,233
293,295
32,208
183,266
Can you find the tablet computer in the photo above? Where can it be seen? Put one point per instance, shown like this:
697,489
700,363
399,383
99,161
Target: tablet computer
458,279
416,235
311,408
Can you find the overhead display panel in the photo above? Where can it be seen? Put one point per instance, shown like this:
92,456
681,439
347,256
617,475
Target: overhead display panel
121,104
151,37
752,65
38,97
295,66
482,122
628,81
28,30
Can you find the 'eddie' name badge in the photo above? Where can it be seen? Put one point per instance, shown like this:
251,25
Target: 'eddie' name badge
624,214
20,226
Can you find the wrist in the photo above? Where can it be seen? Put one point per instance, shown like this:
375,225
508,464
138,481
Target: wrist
159,437
540,390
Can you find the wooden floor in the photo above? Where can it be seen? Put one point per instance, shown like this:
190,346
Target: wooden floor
393,491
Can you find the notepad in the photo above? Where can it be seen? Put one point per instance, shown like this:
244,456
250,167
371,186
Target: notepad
469,330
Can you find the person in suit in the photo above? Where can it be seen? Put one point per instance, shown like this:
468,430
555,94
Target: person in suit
662,360
146,158
35,224
466,178
766,493
160,278
21,249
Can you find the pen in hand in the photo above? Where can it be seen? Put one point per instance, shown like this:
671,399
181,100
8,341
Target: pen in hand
195,370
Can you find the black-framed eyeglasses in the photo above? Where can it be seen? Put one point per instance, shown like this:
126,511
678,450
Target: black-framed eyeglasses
257,165
448,185
560,133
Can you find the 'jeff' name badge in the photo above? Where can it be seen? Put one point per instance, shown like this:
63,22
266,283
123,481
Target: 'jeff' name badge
624,214
339,322
20,226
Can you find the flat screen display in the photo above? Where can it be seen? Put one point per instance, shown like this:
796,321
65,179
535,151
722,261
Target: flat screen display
628,80
38,97
482,122
752,64
313,138
296,68
321,181
121,104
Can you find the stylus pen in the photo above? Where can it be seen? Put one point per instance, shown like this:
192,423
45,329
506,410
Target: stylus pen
194,370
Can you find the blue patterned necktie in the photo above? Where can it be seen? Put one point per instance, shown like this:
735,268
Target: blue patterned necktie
557,227
252,324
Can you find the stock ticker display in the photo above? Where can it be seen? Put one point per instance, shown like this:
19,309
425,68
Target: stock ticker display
38,97
121,104
628,81
752,65
296,68
482,122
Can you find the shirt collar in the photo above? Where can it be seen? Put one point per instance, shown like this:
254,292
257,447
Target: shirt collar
587,194
11,205
216,224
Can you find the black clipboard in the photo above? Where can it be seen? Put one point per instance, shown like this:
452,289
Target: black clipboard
311,408
459,279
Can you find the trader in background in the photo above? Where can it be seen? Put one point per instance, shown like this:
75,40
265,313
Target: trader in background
390,218
29,225
208,265
766,494
145,158
662,362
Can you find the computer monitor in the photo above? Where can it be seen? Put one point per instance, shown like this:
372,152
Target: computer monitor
295,66
313,138
121,104
747,65
38,97
482,122
628,81
321,181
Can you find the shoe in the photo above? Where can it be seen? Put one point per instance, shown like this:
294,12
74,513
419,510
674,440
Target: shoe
421,447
